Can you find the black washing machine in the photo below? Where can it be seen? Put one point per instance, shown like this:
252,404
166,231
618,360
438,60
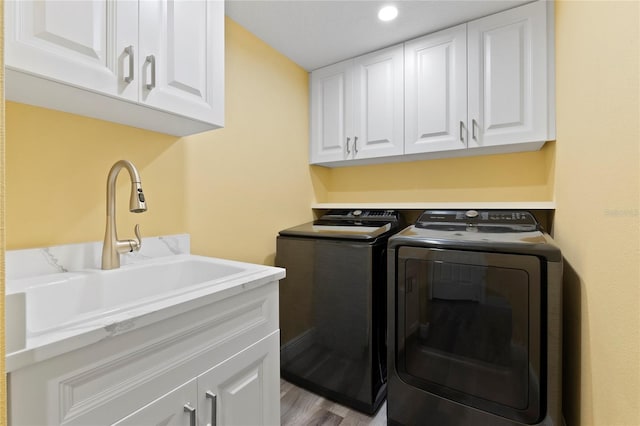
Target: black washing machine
333,305
474,321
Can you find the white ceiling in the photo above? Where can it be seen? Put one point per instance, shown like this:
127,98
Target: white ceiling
315,33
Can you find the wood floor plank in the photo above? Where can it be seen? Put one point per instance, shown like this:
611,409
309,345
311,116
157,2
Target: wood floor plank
300,407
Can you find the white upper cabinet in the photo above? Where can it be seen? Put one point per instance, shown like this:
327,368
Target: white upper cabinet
436,92
178,44
484,87
157,65
378,104
331,112
508,77
357,108
80,43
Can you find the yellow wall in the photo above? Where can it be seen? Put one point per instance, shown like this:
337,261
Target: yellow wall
232,189
597,220
57,165
508,177
3,394
251,179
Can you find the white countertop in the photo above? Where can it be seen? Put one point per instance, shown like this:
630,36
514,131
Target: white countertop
56,342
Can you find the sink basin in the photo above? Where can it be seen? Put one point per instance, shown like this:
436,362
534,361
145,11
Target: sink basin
71,299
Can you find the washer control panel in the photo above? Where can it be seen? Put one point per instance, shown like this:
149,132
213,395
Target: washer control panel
361,214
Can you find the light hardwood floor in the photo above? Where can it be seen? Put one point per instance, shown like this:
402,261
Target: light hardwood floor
298,407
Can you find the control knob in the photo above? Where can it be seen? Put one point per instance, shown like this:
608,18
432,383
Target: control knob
471,214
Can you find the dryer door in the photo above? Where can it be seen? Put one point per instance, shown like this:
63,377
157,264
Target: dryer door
468,328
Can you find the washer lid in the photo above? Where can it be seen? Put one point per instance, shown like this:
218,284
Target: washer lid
341,230
359,225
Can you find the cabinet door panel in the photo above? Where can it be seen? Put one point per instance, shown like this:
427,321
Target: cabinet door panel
78,43
182,77
436,92
379,104
331,116
508,77
243,387
168,410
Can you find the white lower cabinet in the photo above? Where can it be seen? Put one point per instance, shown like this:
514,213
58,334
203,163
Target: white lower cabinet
239,391
173,409
217,364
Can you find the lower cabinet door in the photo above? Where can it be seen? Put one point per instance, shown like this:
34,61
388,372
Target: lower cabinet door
244,389
177,408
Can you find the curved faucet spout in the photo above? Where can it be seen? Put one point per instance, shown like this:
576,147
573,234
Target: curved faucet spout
137,204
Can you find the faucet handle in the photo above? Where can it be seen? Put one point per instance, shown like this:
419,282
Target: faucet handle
136,244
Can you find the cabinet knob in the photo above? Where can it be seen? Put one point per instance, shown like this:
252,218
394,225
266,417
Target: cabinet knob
348,150
355,145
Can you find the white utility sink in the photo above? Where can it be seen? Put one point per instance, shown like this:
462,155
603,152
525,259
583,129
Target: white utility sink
62,302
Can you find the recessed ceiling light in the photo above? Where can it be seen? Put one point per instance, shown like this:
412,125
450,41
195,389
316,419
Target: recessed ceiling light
388,13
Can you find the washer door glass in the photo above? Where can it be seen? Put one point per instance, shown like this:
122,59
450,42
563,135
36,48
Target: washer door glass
469,328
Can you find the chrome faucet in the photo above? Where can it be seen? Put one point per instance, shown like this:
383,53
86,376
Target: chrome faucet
112,246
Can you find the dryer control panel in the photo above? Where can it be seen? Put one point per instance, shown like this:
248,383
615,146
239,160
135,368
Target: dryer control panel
484,220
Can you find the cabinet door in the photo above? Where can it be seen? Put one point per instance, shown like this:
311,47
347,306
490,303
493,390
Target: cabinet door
80,43
182,70
245,389
436,92
168,410
508,77
332,113
379,104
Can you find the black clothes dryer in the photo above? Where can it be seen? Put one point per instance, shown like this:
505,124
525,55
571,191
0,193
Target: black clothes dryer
333,305
474,321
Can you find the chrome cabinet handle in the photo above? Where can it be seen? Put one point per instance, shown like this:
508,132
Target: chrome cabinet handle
474,123
461,131
212,396
348,150
192,413
151,59
129,52
355,145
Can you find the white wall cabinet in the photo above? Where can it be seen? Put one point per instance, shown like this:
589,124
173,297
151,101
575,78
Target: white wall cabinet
157,65
227,347
484,87
436,91
507,55
357,108
331,112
